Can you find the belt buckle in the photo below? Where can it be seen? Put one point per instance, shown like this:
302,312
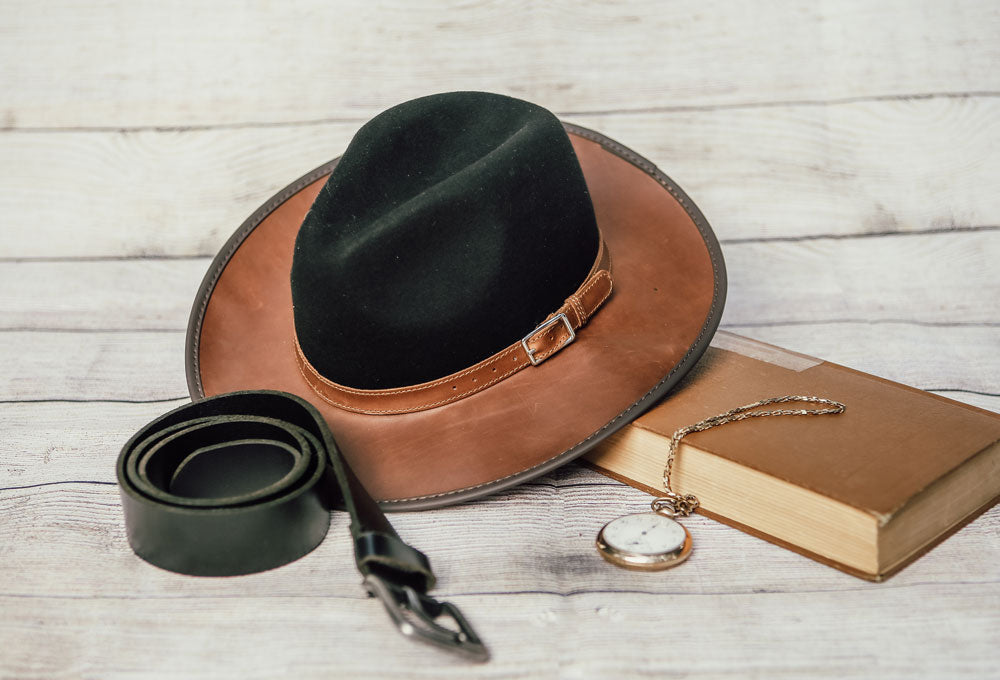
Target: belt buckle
415,616
551,322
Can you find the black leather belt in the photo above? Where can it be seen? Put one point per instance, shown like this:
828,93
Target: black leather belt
244,482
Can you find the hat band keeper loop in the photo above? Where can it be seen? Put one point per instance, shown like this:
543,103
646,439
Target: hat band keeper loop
552,335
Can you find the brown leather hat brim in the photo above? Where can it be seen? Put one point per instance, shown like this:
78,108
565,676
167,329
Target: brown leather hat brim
669,289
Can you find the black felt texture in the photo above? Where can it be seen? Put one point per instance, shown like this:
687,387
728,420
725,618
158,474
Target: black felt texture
453,225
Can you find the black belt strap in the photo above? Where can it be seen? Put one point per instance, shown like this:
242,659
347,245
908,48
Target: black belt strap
244,482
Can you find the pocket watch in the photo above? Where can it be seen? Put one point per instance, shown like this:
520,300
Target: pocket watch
654,540
646,540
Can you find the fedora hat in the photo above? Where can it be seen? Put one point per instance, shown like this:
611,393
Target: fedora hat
472,295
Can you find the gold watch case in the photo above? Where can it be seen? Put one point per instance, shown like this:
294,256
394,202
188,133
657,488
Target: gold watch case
644,561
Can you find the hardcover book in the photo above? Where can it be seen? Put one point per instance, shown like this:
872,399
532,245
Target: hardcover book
866,491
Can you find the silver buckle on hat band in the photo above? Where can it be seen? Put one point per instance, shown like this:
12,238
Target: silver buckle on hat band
551,322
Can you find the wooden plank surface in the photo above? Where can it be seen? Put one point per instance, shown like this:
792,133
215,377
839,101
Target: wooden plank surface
872,279
846,154
523,588
143,63
787,171
281,636
103,365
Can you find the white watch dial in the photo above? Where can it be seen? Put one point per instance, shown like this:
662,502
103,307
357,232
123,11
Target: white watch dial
645,534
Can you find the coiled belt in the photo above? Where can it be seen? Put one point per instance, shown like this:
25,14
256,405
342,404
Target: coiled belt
244,482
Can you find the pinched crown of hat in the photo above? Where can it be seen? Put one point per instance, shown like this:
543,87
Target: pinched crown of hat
452,226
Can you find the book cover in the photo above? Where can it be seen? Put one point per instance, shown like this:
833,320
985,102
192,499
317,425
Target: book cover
867,491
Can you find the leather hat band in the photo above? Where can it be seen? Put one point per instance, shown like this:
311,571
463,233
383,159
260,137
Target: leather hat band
555,333
244,482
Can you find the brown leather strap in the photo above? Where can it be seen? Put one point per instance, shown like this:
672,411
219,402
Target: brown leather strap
555,333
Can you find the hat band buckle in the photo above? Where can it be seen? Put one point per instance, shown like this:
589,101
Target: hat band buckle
530,351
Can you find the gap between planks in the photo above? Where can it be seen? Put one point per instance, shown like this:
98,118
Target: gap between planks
689,108
939,280
140,64
771,175
724,241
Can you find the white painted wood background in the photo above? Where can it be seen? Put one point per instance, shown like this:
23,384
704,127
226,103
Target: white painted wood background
847,154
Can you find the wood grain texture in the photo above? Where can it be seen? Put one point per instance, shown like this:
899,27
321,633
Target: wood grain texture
852,168
990,402
128,366
521,587
922,279
81,439
150,193
145,366
929,357
283,636
136,136
788,171
124,64
106,294
551,551
930,279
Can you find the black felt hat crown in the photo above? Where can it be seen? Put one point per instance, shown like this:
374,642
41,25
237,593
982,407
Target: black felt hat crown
452,226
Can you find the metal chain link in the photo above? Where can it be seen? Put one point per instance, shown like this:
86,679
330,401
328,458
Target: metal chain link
674,504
